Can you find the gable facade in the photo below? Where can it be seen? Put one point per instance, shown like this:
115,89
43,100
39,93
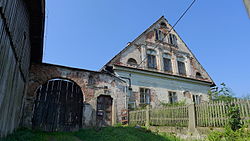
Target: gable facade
161,68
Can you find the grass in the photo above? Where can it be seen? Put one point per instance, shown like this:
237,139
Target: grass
105,134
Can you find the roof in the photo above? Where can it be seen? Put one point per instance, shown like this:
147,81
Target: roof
37,19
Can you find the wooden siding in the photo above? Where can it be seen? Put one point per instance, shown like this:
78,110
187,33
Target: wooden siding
14,62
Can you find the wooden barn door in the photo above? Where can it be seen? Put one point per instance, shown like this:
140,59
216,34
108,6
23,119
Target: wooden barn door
104,110
58,106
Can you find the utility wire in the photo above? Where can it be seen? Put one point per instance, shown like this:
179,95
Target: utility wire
165,35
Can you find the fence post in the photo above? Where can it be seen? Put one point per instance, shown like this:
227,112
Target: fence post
147,117
192,119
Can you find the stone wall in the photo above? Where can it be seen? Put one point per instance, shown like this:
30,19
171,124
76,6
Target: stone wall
92,84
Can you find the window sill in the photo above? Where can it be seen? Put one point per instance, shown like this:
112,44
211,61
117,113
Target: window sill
185,75
169,72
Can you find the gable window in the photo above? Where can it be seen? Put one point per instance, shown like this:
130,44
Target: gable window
163,25
132,62
159,35
172,97
144,96
172,40
151,59
198,75
167,62
181,68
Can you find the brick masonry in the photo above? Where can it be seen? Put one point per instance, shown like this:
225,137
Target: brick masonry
92,84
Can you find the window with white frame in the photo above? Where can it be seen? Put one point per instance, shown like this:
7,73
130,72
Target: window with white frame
151,59
172,97
144,96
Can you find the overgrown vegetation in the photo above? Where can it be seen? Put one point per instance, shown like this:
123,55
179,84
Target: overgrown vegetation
234,118
234,131
179,103
104,134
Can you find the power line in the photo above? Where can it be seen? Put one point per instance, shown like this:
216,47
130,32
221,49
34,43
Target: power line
183,14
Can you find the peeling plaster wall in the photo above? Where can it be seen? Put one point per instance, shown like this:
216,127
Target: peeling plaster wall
160,86
147,40
92,85
194,82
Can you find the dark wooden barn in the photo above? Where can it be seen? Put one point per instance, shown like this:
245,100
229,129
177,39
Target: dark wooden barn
21,42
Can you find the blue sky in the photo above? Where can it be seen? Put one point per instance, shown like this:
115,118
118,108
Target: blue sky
88,33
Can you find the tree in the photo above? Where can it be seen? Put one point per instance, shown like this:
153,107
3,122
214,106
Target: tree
221,94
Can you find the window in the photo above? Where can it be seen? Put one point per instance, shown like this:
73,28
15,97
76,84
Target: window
197,99
172,97
198,75
132,62
163,25
181,68
144,96
151,56
167,62
172,40
159,35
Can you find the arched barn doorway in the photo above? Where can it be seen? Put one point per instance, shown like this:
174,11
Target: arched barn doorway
58,106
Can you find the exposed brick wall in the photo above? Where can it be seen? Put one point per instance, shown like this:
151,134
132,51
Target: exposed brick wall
91,83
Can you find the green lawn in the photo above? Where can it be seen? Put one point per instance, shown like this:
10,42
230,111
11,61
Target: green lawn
104,134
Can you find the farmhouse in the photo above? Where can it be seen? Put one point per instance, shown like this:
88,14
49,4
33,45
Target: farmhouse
160,68
155,68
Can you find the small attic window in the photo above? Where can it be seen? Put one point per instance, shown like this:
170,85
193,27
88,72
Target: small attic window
163,25
132,62
198,75
172,40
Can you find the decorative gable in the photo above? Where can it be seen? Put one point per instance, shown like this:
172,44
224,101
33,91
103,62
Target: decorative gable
160,49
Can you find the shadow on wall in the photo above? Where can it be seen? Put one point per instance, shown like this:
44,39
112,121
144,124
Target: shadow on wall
89,116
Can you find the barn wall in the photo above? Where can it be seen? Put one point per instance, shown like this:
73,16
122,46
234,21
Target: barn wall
93,84
14,62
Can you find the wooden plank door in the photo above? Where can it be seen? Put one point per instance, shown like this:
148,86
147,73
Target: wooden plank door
104,111
58,106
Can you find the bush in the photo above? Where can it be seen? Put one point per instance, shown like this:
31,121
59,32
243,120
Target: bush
242,134
234,131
